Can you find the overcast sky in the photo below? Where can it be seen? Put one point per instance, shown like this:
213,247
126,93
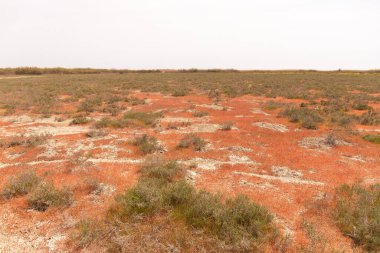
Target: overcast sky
141,34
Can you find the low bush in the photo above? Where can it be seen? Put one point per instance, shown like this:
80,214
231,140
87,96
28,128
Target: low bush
233,221
369,118
226,126
135,101
144,118
200,114
374,138
361,106
357,214
21,184
79,120
89,105
308,118
193,141
97,133
180,93
146,144
46,195
23,140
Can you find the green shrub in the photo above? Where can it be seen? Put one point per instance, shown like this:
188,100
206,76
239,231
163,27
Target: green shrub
361,106
144,198
374,138
308,118
21,184
357,214
146,144
46,195
191,140
160,190
158,169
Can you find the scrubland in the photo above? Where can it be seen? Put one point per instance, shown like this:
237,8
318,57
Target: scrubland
189,161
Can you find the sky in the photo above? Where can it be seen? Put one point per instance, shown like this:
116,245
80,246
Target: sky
175,34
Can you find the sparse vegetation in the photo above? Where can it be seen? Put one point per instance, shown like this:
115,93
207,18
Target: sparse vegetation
21,184
226,126
200,114
46,195
308,118
237,222
97,133
357,214
80,120
146,144
193,141
24,140
374,138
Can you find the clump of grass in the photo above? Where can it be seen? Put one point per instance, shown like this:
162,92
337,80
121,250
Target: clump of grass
23,140
130,119
21,184
308,118
89,105
135,101
273,105
89,230
46,195
369,118
180,93
146,144
226,126
330,140
200,114
144,118
79,120
233,221
113,109
361,106
357,214
191,140
374,138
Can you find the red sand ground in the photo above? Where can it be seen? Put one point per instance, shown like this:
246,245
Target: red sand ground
272,167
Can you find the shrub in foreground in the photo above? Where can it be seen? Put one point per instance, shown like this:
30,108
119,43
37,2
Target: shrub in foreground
357,215
21,184
46,195
233,220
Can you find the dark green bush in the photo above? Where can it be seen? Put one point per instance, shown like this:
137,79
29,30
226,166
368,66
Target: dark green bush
374,138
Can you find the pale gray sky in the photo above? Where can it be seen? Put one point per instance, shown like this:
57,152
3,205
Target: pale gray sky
241,34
